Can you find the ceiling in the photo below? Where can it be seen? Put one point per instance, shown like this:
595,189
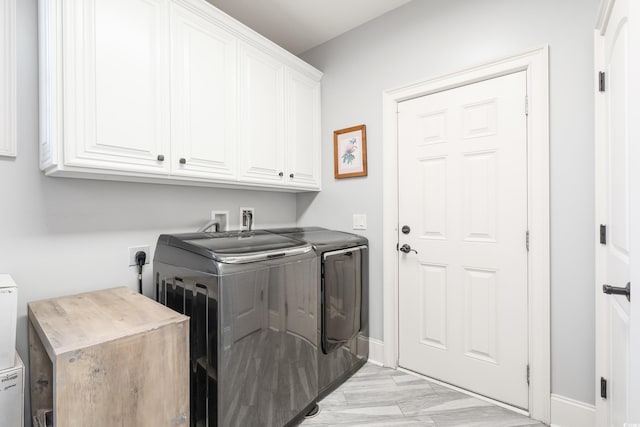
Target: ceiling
299,25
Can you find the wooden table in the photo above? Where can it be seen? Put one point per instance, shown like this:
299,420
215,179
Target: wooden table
109,358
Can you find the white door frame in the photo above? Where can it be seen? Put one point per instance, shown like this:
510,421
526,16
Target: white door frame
536,63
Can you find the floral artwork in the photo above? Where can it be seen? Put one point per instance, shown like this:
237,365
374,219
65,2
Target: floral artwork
348,155
350,152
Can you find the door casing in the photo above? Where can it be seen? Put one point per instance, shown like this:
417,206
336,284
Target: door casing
536,63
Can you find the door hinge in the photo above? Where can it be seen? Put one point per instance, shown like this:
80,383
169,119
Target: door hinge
527,241
603,388
528,375
603,234
601,77
526,105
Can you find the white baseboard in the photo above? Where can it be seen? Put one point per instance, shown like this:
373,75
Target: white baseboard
376,351
567,412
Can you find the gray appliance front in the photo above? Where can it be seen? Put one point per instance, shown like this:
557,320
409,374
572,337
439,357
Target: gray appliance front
344,316
342,290
254,339
343,287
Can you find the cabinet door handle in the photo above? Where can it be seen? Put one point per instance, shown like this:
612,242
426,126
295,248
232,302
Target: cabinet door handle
161,157
290,175
281,174
183,160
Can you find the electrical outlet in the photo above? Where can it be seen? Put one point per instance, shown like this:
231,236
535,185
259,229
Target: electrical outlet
133,250
223,219
359,221
247,219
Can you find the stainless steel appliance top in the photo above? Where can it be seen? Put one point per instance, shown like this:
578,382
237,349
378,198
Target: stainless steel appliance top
322,239
237,247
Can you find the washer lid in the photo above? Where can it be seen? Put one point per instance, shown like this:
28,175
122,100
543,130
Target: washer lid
237,247
322,238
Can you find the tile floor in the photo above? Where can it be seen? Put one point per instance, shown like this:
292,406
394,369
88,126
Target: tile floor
377,396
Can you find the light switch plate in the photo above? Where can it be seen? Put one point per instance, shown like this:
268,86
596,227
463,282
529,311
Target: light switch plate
359,221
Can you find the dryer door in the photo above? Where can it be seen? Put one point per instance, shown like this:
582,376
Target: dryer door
341,297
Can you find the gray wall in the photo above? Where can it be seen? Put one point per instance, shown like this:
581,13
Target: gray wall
428,38
60,236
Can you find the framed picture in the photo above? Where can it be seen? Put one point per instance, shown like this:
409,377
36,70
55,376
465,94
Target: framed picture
350,152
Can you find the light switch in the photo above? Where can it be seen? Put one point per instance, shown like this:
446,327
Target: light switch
359,222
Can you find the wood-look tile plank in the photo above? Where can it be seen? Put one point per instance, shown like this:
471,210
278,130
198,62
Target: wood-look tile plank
377,397
490,416
365,414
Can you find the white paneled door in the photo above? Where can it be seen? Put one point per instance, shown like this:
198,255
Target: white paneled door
463,237
616,189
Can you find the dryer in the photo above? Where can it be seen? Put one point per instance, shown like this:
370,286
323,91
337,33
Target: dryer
343,296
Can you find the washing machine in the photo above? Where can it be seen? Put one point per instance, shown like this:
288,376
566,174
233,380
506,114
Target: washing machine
343,296
253,306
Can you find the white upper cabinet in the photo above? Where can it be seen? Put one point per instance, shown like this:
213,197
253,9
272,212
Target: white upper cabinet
261,102
302,119
173,91
279,123
203,85
116,84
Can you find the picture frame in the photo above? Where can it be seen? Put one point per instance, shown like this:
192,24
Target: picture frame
350,152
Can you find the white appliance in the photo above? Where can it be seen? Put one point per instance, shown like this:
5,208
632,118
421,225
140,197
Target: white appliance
8,316
12,394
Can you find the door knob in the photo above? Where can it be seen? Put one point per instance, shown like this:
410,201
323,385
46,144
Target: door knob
612,290
406,249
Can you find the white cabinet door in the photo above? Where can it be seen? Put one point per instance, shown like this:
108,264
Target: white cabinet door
261,110
302,119
116,84
203,87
